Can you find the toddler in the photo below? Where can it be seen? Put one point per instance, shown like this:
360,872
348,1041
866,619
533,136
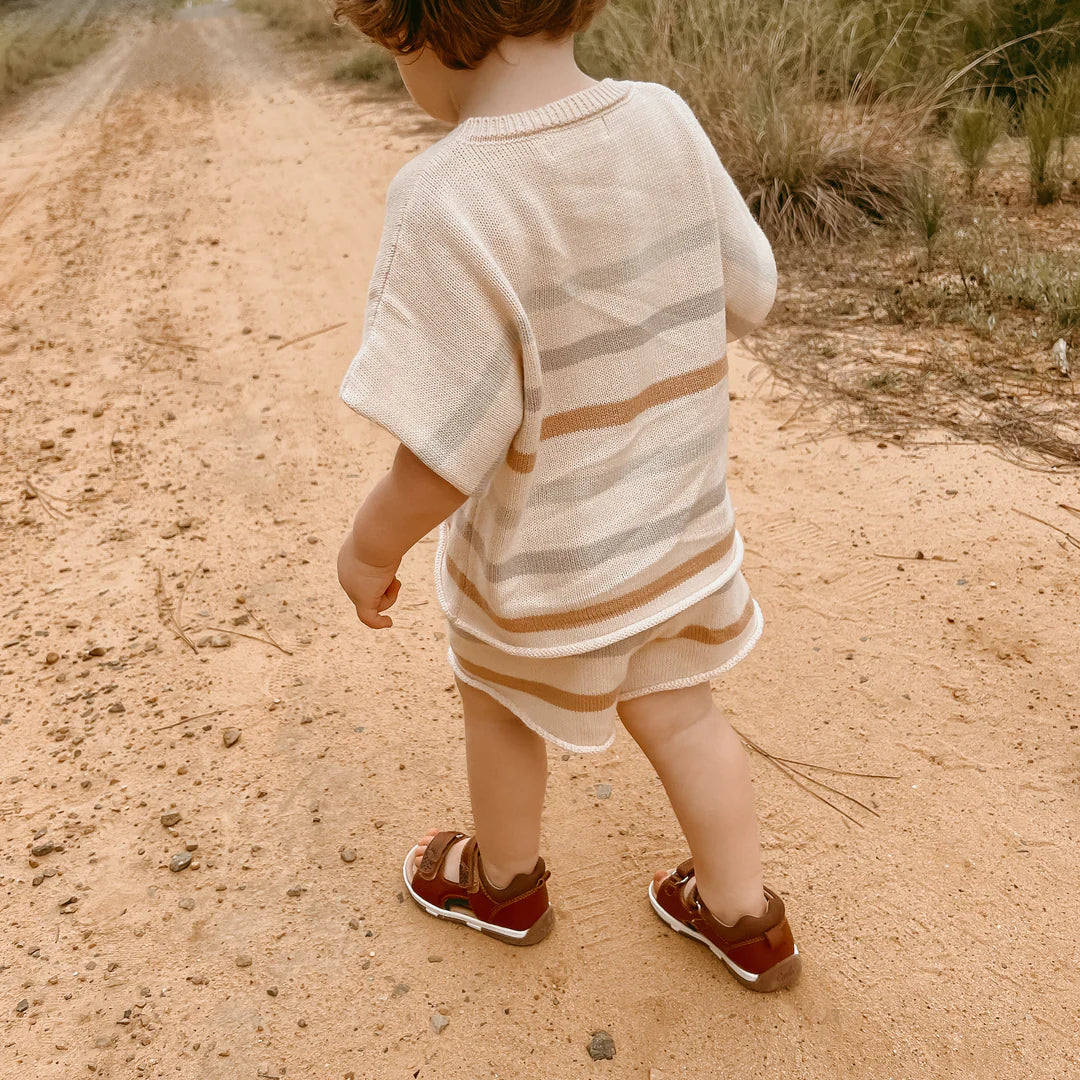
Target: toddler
545,334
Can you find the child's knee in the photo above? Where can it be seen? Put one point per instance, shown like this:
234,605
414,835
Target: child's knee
667,713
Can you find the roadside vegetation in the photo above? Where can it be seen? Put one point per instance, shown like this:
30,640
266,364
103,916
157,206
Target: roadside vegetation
39,38
915,163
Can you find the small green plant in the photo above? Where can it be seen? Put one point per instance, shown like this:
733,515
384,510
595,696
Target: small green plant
926,208
1043,131
976,127
372,64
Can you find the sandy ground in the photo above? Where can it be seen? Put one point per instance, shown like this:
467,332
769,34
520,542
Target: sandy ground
171,216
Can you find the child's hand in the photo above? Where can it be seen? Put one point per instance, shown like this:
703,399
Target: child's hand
370,588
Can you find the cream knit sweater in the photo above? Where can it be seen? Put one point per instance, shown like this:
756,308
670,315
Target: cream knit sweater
546,328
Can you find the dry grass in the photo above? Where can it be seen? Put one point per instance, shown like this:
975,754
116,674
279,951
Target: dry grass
306,20
43,39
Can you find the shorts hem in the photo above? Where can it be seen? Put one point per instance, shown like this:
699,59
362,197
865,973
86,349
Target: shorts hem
690,680
530,724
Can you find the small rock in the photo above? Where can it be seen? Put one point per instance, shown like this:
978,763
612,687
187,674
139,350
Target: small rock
434,959
169,532
989,394
294,891
243,960
186,904
401,990
185,523
1060,355
97,650
99,410
170,819
348,855
230,736
439,1022
603,791
180,861
22,1006
116,707
43,848
47,444
220,641
601,1046
272,991
51,658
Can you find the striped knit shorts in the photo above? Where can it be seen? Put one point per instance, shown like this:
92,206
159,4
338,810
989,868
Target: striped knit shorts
571,700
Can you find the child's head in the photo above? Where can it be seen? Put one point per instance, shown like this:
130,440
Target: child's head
432,38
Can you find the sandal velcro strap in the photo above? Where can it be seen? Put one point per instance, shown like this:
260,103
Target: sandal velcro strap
434,852
684,870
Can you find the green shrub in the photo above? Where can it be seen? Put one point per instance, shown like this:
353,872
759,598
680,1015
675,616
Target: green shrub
1034,39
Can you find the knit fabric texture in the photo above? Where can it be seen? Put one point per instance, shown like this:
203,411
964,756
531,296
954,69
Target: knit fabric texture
546,328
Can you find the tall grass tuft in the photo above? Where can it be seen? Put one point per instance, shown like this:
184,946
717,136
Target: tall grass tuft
976,126
926,208
1043,132
794,97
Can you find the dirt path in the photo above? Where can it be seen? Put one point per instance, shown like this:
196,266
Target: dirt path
173,214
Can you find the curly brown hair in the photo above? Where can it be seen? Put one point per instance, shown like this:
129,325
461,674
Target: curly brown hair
462,32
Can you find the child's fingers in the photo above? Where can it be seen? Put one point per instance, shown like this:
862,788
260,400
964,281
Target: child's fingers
370,617
390,595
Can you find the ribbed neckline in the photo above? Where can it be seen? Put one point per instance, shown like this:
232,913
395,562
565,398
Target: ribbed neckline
565,110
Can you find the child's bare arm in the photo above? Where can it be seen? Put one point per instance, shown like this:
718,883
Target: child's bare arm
402,508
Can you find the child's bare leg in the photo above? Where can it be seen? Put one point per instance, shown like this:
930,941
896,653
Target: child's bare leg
508,769
706,775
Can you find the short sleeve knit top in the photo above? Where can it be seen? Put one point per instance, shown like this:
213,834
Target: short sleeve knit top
546,328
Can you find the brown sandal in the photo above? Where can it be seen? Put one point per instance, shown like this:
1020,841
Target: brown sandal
519,914
760,951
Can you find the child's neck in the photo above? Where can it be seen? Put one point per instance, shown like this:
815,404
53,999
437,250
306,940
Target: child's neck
525,73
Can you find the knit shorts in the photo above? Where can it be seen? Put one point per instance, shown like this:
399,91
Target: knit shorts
571,700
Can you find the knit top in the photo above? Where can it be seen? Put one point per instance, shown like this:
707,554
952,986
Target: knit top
546,328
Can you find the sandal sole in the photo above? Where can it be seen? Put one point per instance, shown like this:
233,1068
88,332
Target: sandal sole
777,977
537,932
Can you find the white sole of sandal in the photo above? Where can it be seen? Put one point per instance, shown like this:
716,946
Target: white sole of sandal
539,930
782,974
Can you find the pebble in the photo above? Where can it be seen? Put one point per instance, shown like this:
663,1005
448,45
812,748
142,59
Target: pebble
186,903
180,861
97,650
230,736
220,641
272,991
42,849
51,658
169,532
401,990
22,1006
170,819
243,960
434,959
603,791
116,707
348,855
601,1046
47,444
439,1022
